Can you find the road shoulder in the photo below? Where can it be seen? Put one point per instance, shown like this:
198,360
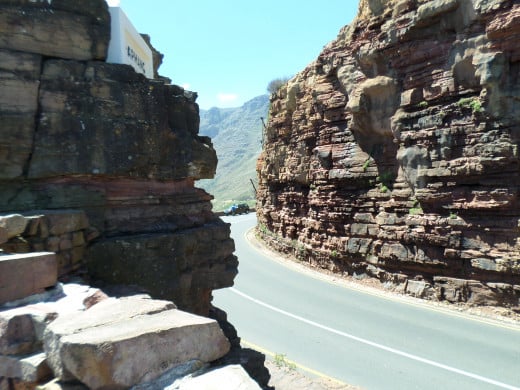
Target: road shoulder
285,378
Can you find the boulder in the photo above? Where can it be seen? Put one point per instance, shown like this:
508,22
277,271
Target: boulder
21,329
32,368
109,311
232,377
124,342
14,224
22,275
192,367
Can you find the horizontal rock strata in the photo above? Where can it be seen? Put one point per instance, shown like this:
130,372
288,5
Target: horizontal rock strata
395,154
66,233
80,136
22,275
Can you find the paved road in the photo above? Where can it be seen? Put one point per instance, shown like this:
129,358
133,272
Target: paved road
362,338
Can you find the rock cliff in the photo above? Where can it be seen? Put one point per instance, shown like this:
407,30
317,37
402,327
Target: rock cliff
395,154
112,150
98,166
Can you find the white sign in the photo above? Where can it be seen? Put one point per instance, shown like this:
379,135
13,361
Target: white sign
127,46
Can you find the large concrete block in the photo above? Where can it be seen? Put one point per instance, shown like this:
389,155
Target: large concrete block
22,275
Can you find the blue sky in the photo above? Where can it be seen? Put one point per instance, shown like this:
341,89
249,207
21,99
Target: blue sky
228,50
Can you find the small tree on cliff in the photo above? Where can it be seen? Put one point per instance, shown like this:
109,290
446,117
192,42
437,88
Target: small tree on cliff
276,84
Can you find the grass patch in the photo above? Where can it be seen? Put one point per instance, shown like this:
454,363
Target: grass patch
281,361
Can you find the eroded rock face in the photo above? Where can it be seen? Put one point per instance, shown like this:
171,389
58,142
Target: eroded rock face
395,154
79,134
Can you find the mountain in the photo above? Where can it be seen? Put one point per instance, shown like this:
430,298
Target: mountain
237,137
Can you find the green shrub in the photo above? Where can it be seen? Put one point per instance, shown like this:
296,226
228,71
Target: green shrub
470,102
476,106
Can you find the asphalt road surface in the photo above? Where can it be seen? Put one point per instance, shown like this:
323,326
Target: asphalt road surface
359,337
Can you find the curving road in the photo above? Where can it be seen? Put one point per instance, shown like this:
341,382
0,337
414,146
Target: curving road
359,337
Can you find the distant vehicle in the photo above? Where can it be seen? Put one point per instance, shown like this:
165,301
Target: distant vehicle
236,209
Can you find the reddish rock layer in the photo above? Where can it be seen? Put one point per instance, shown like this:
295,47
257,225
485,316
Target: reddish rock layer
78,134
395,154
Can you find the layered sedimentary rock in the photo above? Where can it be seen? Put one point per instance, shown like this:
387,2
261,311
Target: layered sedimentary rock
33,272
66,233
79,135
77,333
395,154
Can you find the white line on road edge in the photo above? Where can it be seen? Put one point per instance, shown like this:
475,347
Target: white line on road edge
376,345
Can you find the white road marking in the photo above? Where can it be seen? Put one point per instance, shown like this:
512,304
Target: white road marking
376,345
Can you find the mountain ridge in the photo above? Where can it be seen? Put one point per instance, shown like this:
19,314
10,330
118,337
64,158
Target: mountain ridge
236,134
